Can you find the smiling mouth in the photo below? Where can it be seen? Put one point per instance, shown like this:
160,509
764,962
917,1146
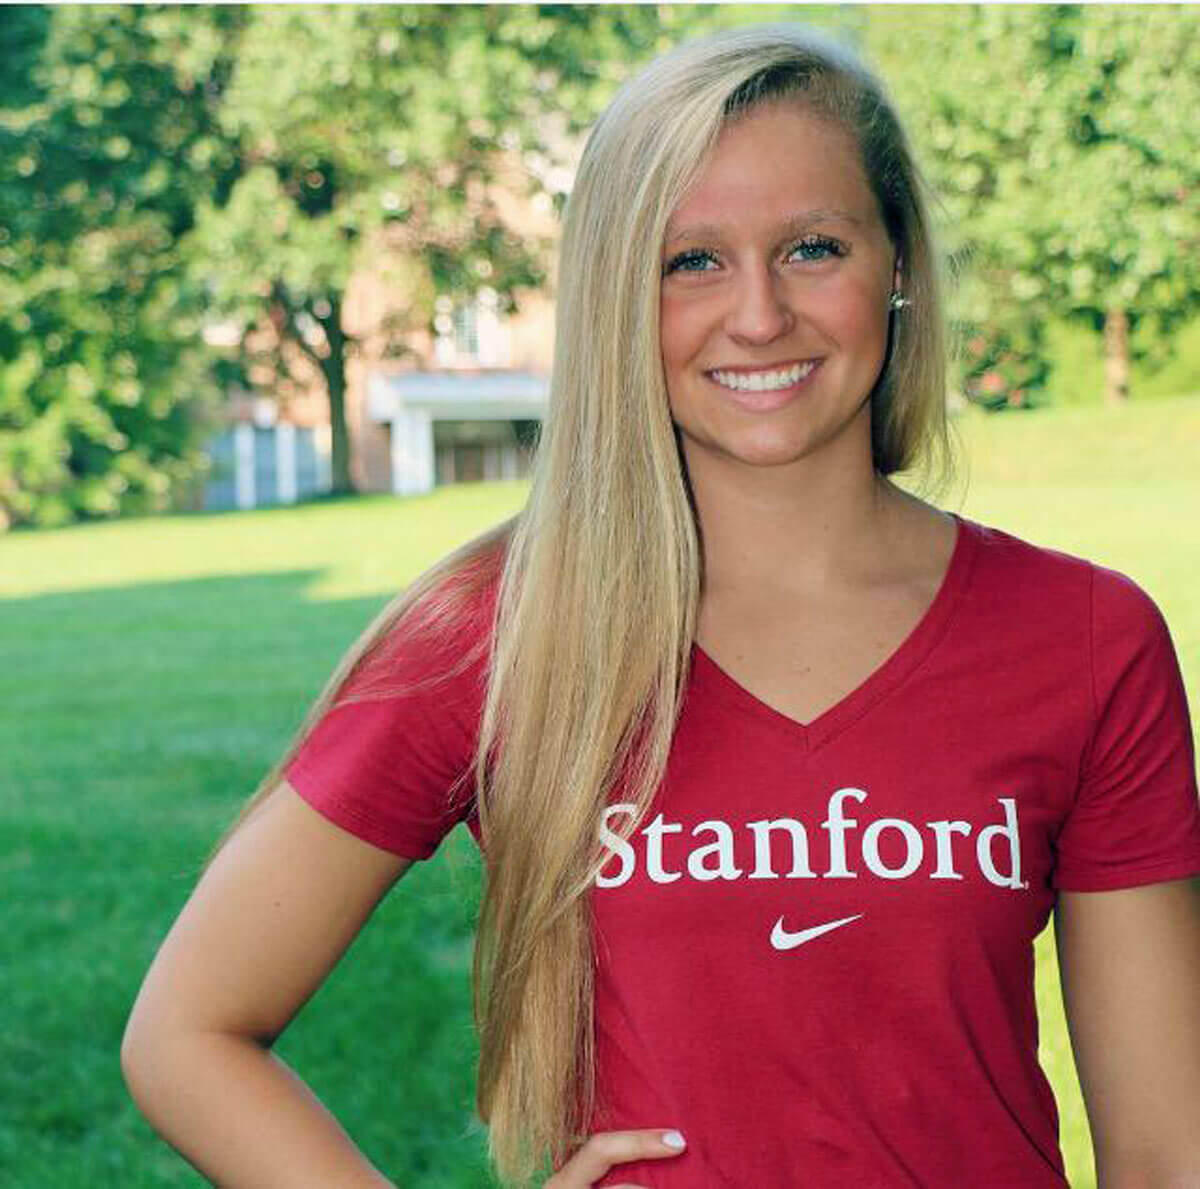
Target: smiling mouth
764,381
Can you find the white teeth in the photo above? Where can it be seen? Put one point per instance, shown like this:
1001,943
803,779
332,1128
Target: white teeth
764,381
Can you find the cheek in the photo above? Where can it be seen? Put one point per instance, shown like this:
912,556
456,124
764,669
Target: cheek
680,334
856,316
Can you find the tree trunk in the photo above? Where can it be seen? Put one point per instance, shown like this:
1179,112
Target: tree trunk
1116,357
334,366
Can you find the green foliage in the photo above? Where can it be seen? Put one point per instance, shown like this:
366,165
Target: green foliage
1078,373
1059,138
103,386
1169,364
1164,365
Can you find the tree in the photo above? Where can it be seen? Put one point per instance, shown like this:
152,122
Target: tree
1058,138
366,130
102,374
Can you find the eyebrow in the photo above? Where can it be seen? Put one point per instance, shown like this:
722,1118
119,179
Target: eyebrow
792,225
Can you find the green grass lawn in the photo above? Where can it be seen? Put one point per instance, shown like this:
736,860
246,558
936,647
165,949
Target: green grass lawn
153,669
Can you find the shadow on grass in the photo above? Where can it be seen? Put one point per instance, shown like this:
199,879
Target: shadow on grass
141,717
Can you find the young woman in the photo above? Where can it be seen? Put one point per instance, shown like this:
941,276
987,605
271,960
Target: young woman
778,770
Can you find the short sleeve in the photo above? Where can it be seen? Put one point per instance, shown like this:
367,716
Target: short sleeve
396,768
1136,818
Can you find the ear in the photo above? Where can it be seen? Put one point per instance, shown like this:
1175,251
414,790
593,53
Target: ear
898,275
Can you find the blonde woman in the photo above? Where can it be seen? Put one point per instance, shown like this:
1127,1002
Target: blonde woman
777,769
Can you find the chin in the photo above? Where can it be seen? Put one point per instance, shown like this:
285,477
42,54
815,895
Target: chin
748,451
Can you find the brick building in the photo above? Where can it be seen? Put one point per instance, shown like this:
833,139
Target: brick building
462,404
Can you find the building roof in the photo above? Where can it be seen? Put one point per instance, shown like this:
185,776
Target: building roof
458,395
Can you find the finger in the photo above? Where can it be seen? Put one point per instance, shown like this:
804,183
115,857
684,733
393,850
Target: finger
607,1148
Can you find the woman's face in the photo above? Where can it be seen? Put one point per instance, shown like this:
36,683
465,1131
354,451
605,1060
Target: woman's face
774,303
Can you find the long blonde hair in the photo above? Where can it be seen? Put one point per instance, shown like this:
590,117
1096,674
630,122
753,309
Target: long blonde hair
598,578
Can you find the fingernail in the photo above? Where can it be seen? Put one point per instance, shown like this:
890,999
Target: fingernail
673,1139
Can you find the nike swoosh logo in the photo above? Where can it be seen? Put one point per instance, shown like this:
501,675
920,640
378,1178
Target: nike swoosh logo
781,939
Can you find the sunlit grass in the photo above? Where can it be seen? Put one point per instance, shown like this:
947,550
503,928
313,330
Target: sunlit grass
360,547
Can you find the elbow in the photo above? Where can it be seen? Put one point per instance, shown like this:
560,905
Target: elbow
138,1047
153,1058
164,1059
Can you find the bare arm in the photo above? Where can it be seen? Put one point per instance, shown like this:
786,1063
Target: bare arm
1130,966
265,925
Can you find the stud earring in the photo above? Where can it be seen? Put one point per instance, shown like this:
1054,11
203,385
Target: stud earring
897,301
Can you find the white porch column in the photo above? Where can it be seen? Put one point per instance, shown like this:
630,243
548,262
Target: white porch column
285,462
322,447
508,459
412,452
243,463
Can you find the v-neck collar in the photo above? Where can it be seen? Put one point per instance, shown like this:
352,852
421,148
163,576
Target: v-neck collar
915,647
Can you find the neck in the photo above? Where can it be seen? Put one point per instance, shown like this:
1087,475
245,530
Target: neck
807,531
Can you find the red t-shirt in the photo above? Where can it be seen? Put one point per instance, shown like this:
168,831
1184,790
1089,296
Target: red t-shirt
815,955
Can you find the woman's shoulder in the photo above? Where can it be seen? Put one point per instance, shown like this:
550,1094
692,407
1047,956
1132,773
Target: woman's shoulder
438,638
1054,577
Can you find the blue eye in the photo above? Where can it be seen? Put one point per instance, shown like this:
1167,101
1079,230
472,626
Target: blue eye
817,247
693,260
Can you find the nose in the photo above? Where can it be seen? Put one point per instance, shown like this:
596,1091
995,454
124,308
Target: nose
759,307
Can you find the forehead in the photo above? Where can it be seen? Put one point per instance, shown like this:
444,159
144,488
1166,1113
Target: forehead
778,160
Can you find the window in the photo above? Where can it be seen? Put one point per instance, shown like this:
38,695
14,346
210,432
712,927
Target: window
470,333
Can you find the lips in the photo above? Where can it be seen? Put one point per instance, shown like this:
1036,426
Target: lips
764,390
769,379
